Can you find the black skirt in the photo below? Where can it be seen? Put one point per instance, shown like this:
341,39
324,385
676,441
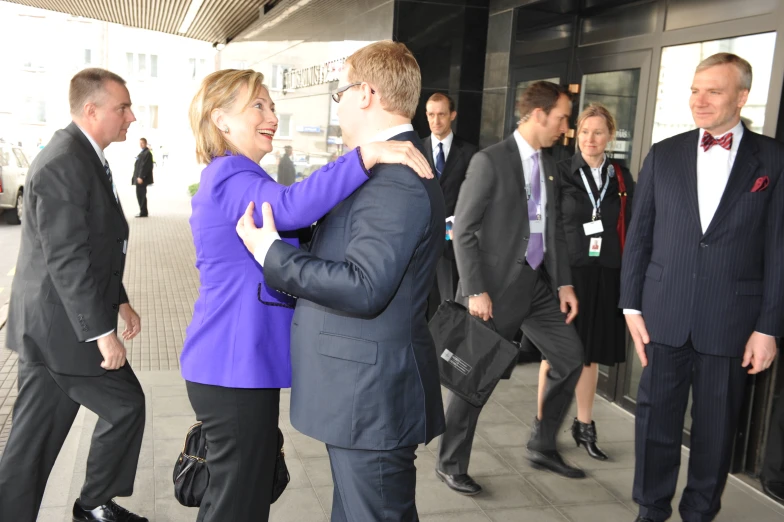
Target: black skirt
600,323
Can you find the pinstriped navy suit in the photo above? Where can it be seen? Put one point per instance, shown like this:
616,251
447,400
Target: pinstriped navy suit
702,295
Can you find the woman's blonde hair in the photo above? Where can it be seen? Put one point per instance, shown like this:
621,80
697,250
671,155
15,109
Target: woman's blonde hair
219,90
597,109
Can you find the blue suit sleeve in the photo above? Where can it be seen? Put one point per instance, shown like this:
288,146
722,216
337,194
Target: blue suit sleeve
294,207
639,237
771,318
383,240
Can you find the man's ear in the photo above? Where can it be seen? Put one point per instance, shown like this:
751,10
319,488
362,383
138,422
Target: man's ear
452,116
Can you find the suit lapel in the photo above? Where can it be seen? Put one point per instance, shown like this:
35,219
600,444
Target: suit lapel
98,169
743,169
428,144
690,178
548,170
455,157
517,167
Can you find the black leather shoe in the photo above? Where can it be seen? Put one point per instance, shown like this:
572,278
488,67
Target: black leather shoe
109,512
463,483
585,435
140,215
774,490
552,460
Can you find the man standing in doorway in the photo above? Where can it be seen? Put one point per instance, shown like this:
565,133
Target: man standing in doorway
449,157
514,270
702,289
142,176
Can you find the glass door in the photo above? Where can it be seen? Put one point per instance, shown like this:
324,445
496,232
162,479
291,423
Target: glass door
618,82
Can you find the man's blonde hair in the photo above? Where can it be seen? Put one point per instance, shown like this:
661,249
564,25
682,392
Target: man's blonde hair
219,90
597,109
392,71
743,67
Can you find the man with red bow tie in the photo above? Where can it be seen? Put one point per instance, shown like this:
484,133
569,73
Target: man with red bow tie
702,289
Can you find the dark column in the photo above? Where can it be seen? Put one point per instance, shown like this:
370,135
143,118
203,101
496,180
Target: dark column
448,38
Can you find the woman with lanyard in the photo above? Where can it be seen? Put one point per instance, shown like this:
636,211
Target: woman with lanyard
596,194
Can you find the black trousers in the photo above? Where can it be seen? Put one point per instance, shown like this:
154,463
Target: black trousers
240,425
445,285
43,414
718,386
141,197
773,465
528,304
377,486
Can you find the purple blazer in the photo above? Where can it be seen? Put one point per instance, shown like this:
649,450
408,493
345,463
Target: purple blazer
239,334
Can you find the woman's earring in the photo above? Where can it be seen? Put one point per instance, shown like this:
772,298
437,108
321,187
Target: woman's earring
226,130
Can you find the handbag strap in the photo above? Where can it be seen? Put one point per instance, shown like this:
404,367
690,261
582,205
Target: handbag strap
621,226
185,444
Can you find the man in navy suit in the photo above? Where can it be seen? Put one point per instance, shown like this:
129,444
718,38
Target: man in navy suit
364,367
702,289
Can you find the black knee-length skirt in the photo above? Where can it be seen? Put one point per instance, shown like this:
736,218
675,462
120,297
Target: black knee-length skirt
600,323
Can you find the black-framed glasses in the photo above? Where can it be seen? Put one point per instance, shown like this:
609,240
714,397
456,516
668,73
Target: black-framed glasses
337,95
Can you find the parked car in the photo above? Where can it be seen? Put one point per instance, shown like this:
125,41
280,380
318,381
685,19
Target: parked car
13,170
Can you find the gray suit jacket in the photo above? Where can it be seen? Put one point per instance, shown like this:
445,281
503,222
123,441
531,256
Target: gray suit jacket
68,282
491,223
364,366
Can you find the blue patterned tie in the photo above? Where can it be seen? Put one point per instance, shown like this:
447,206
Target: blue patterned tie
440,161
111,181
535,253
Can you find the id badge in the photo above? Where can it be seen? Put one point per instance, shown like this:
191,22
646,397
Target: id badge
593,227
595,247
536,227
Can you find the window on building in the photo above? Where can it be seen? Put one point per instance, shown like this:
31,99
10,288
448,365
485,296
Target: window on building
284,126
129,59
276,82
153,116
88,57
192,68
34,110
153,66
142,65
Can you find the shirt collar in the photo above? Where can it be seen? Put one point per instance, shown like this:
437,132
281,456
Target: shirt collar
446,141
96,147
526,150
578,162
737,134
391,132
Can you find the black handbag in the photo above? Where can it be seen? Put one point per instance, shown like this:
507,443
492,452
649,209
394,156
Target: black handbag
191,475
472,357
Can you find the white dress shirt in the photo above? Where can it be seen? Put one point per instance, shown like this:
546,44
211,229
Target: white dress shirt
446,147
384,135
526,155
713,172
99,151
597,173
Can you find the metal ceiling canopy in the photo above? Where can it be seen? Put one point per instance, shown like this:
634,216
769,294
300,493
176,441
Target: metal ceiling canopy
216,21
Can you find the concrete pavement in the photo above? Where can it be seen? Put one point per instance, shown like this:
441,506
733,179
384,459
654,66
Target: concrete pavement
163,285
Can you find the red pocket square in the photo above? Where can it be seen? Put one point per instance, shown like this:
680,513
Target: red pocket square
761,184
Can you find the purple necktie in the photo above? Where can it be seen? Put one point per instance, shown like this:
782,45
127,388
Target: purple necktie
535,253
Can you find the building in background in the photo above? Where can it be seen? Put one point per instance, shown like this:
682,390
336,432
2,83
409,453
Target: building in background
42,50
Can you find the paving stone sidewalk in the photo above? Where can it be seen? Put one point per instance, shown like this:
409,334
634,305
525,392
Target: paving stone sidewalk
163,285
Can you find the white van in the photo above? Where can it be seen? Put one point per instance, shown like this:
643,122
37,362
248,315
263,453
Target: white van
13,170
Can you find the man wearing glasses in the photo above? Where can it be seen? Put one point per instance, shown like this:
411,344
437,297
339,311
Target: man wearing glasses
364,369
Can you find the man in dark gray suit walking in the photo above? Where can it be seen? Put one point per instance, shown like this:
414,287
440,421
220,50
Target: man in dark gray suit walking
62,320
513,263
287,174
703,289
364,368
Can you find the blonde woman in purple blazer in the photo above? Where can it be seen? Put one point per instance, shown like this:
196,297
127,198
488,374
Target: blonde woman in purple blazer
236,353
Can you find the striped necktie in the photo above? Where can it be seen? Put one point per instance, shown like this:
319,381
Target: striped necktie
111,181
